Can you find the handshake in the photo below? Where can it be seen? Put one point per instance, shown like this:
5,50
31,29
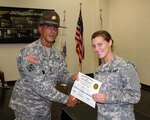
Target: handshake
72,101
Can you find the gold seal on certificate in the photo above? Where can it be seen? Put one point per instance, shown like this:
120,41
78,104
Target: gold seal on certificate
95,86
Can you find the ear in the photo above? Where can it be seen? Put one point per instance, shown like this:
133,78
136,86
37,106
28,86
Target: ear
110,43
39,29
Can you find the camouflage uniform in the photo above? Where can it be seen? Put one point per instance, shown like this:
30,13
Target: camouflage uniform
121,83
34,92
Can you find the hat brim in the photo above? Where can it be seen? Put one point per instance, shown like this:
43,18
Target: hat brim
51,24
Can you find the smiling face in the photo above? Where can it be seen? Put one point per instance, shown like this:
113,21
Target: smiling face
102,47
48,34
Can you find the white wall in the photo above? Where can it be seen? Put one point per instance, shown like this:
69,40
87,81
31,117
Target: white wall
90,12
130,28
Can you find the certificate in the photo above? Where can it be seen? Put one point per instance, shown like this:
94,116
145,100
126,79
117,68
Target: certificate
84,88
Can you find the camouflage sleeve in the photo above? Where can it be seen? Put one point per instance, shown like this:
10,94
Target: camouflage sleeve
130,92
40,84
63,74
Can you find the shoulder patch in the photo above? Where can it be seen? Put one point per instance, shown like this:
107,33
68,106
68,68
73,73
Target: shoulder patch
32,59
30,67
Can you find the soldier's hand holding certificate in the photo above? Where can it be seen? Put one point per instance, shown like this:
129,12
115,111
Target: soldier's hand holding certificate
84,88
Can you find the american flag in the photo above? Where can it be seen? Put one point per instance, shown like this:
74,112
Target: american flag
79,38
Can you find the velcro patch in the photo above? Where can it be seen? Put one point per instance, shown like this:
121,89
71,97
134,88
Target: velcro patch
30,67
32,59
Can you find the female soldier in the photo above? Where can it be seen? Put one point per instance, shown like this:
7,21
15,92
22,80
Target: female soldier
120,88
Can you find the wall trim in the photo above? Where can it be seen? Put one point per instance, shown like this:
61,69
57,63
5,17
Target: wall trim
143,86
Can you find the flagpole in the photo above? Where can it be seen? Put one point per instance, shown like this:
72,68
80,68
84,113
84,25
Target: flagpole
64,17
80,6
63,40
81,62
79,39
63,43
101,19
101,26
81,67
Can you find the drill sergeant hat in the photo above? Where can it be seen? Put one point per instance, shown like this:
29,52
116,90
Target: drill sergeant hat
50,18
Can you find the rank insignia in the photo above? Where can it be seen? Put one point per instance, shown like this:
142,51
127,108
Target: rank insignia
53,17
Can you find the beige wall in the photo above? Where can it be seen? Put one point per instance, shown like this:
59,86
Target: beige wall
130,27
127,20
90,11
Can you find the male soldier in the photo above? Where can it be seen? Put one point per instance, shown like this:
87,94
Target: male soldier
41,66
